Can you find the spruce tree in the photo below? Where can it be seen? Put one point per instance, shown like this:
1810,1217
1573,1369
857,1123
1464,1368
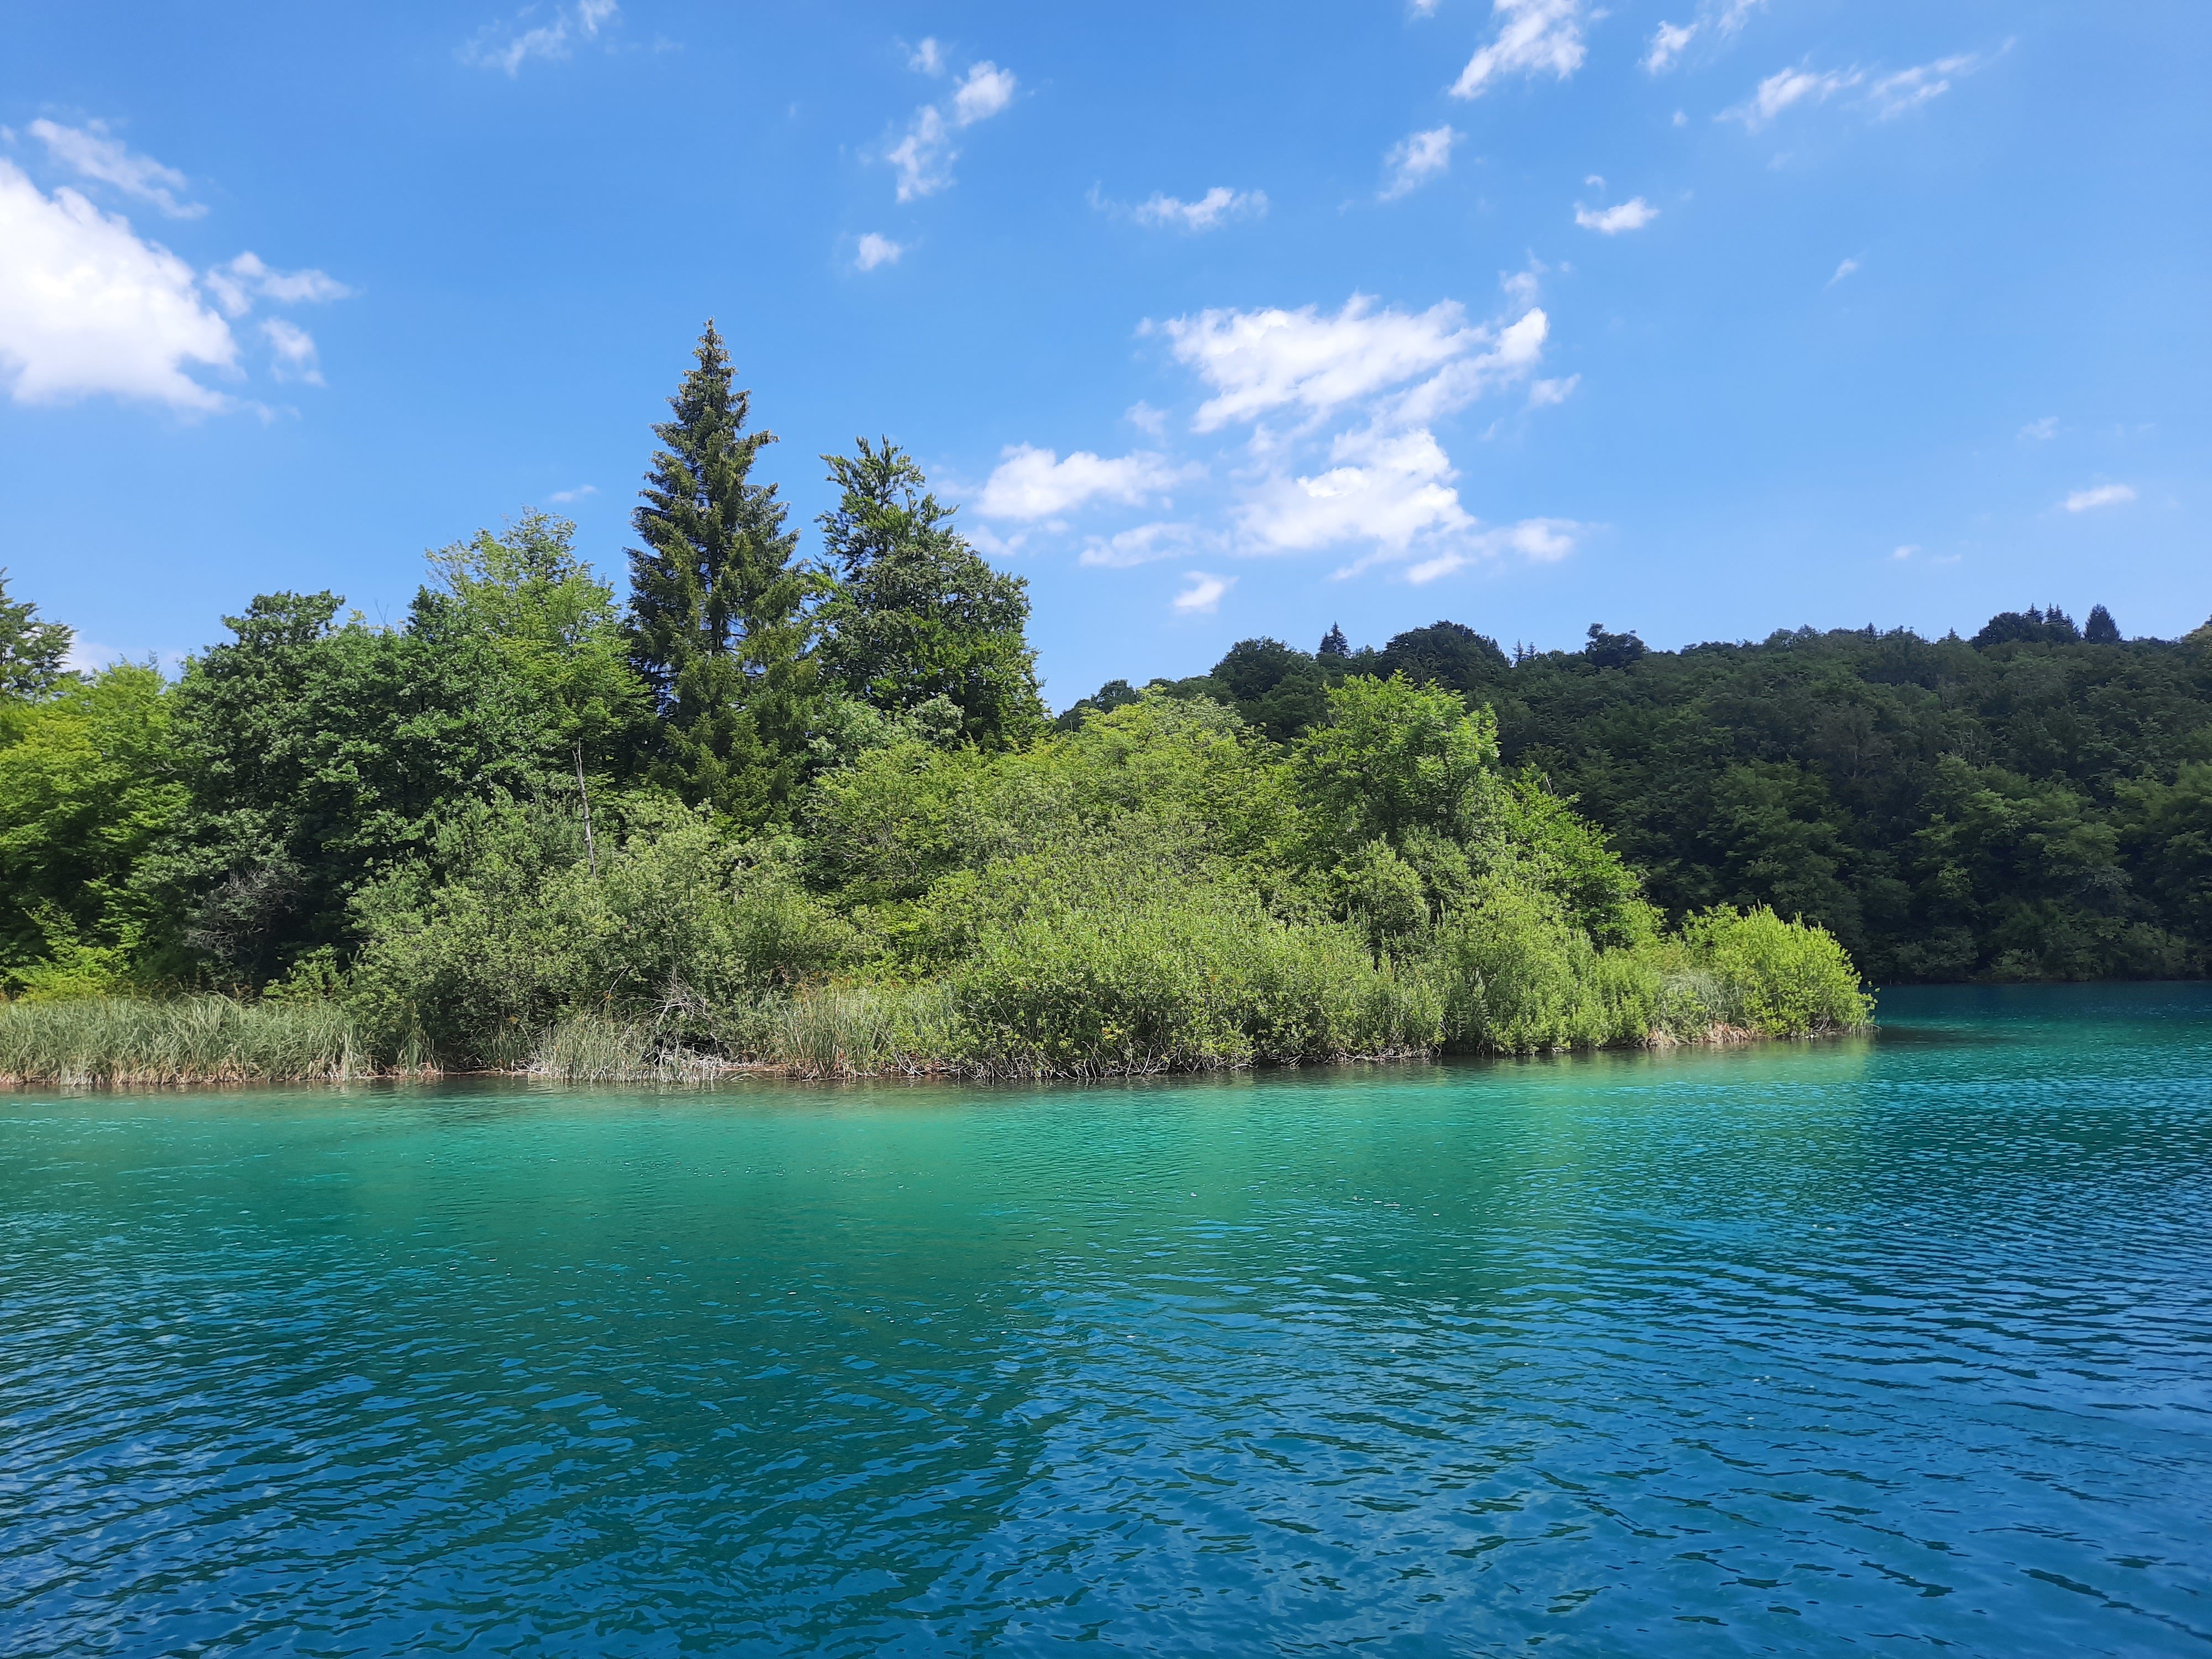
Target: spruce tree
1333,644
719,622
2100,629
917,615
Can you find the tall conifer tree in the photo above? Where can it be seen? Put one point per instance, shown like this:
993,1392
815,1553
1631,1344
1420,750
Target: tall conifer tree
719,622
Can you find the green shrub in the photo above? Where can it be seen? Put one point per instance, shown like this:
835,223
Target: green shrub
1517,976
1778,978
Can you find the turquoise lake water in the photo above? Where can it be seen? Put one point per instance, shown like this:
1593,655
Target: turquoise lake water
1900,1345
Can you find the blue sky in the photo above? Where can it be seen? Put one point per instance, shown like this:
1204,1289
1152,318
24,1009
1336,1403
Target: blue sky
1700,317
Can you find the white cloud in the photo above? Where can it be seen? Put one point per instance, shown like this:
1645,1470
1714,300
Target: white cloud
1843,270
875,251
1420,8
1214,208
1514,351
1539,541
295,348
236,284
1143,416
1893,95
1906,551
1784,87
2117,494
1532,35
1036,483
1203,597
1632,215
1666,43
86,307
562,497
1716,17
91,152
1543,394
1259,360
1387,488
1415,160
923,157
2045,428
928,57
1142,545
508,46
986,91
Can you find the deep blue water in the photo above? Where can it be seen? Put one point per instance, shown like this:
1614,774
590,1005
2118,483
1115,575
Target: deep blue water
1897,1346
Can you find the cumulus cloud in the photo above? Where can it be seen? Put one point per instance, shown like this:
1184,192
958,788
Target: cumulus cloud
1632,215
928,59
86,307
1539,541
238,284
1143,416
506,46
1716,18
1543,394
2112,495
1209,212
1029,483
91,152
1416,159
1202,597
1386,488
874,250
923,157
1533,36
1785,88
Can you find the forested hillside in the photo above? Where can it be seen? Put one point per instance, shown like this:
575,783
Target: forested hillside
2034,803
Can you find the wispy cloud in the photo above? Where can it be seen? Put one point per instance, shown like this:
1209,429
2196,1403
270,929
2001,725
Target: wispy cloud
1716,19
1543,394
1209,212
294,349
1202,597
1892,95
874,250
1786,87
924,156
1632,215
238,284
508,45
1532,37
1843,270
563,497
2046,428
1415,160
2112,495
928,59
92,152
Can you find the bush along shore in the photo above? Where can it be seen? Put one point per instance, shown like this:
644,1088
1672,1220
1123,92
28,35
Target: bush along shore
799,814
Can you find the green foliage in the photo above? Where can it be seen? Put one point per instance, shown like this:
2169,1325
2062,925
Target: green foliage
317,755
719,621
31,650
555,629
1393,759
916,615
87,786
1771,976
475,950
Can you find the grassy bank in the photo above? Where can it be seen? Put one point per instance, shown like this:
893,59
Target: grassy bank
1142,997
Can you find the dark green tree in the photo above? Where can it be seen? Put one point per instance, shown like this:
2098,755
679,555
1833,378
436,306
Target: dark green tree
720,621
2100,629
916,614
31,651
1333,644
1447,653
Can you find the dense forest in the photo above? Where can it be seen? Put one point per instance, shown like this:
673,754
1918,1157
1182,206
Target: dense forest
807,807
2034,803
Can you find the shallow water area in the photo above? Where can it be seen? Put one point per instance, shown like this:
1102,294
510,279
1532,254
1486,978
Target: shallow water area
1899,1343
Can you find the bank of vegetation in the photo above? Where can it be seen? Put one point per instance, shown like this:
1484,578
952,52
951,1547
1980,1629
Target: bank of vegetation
808,812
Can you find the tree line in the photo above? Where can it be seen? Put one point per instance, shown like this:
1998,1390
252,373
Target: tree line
810,809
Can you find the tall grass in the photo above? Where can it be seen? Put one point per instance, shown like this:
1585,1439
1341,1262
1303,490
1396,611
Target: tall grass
93,1042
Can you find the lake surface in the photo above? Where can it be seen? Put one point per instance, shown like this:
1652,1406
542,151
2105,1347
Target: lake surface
1898,1344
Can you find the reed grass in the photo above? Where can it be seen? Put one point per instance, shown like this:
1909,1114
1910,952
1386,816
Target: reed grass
103,1041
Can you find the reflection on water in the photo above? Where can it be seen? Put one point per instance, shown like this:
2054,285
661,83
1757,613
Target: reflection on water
1814,1348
